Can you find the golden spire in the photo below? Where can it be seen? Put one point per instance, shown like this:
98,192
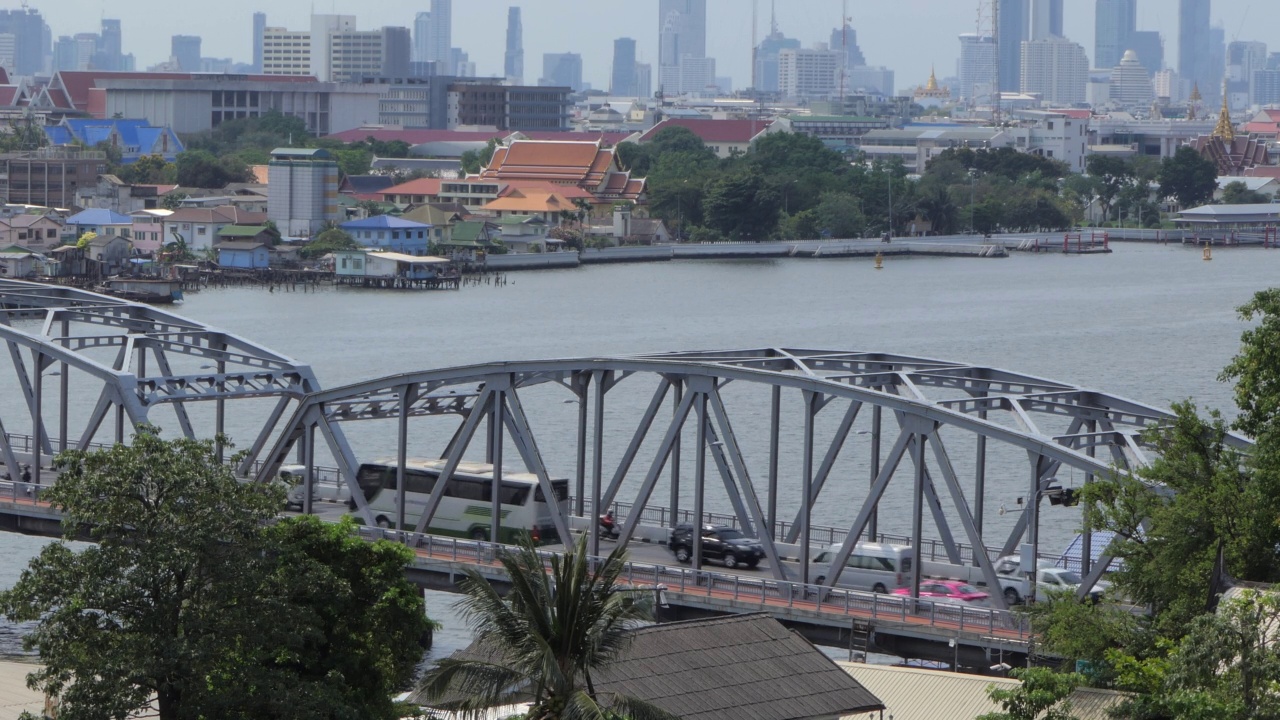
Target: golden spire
1195,93
1225,129
933,80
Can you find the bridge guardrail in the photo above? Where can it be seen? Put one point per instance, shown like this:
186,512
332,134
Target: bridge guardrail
767,591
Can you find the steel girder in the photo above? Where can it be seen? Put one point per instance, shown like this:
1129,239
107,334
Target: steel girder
990,405
146,343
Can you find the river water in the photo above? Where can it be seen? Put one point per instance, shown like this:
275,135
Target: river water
1149,322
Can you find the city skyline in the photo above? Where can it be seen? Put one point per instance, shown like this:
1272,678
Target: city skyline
479,29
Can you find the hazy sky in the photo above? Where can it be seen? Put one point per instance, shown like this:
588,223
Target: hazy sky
906,35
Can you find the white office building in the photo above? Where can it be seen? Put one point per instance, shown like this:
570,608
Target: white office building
809,72
1056,69
977,67
286,52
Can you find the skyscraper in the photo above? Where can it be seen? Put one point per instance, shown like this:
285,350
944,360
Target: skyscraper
1195,61
623,79
259,29
562,70
977,67
110,49
682,33
1115,22
421,36
1150,49
1014,21
513,60
1056,69
1046,19
186,52
440,41
30,39
845,39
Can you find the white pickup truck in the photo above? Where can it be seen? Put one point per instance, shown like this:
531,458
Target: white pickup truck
294,476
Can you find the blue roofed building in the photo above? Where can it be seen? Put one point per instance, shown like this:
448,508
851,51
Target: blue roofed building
385,232
100,221
134,138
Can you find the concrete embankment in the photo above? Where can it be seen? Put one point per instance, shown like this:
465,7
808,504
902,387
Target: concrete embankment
731,251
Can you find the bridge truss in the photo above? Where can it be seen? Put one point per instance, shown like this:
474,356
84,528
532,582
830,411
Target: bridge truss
930,428
132,358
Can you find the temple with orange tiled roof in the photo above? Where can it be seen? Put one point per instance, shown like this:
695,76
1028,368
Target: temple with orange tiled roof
589,166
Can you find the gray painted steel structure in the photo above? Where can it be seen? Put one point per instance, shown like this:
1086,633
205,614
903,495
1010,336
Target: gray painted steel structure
911,402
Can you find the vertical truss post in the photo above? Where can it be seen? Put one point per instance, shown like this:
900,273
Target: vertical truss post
677,402
1086,532
806,498
917,512
496,413
980,484
775,427
581,384
828,460
37,417
402,452
600,379
873,523
1033,528
220,405
309,467
7,455
24,381
64,392
120,425
699,476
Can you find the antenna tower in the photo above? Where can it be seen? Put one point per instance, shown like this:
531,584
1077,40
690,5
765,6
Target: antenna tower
844,48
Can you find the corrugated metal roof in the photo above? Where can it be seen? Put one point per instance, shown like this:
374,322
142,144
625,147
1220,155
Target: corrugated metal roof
414,259
916,694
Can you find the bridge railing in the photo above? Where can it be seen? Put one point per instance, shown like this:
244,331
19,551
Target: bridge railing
768,592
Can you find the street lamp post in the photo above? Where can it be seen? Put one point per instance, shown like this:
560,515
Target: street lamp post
973,176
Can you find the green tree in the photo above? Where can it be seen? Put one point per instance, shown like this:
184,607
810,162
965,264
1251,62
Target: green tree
329,241
473,161
742,206
186,602
202,169
1237,193
147,170
173,200
1188,178
1255,369
1041,696
1195,514
25,133
1112,175
1082,631
545,637
838,215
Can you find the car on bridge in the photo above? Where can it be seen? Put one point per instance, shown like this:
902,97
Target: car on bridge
1049,578
948,591
721,543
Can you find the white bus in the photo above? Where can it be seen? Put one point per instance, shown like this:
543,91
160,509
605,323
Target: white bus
465,508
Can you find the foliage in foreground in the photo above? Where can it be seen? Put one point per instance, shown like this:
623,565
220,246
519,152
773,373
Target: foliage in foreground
543,640
191,603
1041,696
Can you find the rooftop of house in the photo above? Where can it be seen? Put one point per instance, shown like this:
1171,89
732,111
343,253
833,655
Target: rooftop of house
243,231
531,201
223,214
421,186
584,163
383,222
239,245
99,216
366,184
713,131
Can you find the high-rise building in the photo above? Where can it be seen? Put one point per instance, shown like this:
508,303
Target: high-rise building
110,55
1056,69
682,36
767,59
1217,59
65,54
286,52
186,52
1150,49
562,70
421,37
1243,60
622,82
870,79
1266,86
31,39
259,29
440,41
1130,84
809,72
1046,19
303,191
1195,61
513,60
845,40
644,80
1114,24
1014,20
977,67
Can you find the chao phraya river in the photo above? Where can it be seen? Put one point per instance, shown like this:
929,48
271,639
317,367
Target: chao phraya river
1149,322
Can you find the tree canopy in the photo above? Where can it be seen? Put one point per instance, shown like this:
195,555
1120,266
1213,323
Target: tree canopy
195,602
329,241
1188,178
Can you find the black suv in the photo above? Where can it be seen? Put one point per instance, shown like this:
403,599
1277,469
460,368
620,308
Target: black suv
719,542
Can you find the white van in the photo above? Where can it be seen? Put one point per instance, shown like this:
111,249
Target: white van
872,567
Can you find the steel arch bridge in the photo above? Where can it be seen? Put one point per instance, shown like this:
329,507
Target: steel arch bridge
912,403
133,358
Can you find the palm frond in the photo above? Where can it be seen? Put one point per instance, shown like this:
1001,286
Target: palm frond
634,708
473,684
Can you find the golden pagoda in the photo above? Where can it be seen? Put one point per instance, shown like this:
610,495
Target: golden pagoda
1225,129
932,93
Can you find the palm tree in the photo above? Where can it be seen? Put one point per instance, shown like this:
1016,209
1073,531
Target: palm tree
543,639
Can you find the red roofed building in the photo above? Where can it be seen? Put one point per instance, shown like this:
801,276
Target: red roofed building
1265,124
414,192
725,137
589,166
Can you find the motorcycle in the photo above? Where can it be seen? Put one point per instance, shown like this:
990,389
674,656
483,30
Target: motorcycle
608,526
